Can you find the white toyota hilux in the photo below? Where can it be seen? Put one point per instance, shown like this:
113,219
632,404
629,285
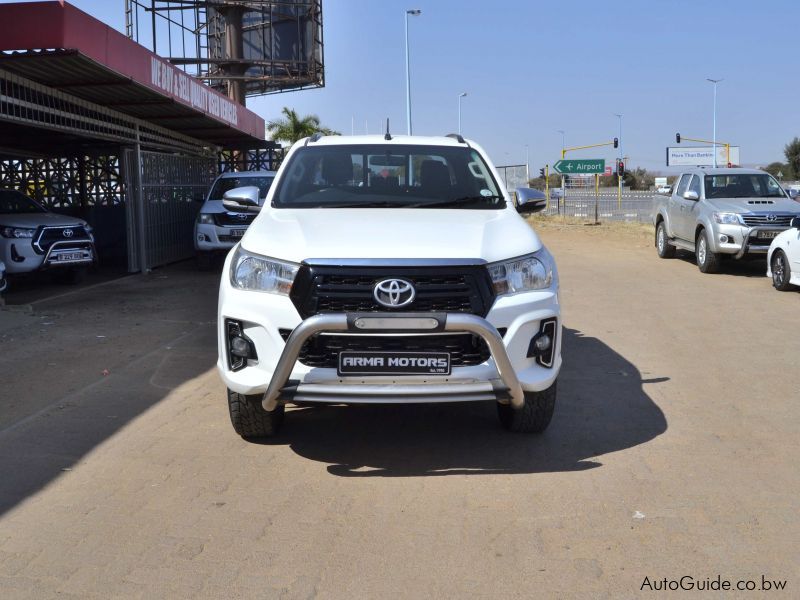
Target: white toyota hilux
388,270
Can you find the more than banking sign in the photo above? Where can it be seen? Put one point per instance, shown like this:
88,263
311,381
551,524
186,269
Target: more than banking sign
702,156
176,83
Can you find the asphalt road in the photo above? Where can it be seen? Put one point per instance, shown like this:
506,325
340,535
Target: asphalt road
672,453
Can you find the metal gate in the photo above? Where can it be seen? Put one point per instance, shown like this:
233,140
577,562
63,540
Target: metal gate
164,196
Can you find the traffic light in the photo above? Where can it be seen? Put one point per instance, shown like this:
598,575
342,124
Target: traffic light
678,138
616,142
620,168
541,172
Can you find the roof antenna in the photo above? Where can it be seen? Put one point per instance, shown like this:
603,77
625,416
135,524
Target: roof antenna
388,135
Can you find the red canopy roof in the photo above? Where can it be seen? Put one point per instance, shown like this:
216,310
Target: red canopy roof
60,46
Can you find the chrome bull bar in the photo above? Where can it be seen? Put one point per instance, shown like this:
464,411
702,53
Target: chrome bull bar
510,391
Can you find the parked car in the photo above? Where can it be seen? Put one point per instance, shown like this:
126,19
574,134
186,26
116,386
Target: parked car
721,212
359,284
783,258
32,238
664,189
217,229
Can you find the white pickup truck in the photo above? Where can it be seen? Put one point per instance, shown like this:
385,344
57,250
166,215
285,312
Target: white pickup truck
388,270
718,213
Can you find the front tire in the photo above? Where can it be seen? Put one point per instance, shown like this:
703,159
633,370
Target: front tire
535,414
665,249
707,261
781,271
249,418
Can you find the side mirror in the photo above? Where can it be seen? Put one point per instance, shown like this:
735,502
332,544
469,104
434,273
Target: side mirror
691,195
793,193
795,223
530,201
242,199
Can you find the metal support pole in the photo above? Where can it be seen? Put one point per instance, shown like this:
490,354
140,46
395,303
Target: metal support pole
596,196
141,237
413,12
235,51
714,138
547,186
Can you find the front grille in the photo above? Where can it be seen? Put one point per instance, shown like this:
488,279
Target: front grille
319,289
768,219
233,219
47,236
466,349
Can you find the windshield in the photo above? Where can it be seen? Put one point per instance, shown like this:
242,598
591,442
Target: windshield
759,185
378,176
224,184
15,203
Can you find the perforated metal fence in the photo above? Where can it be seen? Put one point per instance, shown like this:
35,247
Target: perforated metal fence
163,203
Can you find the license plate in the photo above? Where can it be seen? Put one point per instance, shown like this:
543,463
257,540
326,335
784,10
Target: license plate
767,235
237,232
69,256
394,363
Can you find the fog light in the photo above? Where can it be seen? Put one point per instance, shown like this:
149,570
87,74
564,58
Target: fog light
542,343
542,346
240,347
723,238
202,237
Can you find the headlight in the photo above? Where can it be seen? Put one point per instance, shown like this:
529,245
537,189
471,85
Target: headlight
260,274
727,218
16,232
533,272
205,218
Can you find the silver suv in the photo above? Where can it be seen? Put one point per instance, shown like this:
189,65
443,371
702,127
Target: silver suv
721,212
217,229
33,238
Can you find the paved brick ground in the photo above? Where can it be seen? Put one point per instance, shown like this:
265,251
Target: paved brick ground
671,453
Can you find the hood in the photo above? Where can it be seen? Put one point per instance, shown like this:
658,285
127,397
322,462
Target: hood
755,205
33,220
296,235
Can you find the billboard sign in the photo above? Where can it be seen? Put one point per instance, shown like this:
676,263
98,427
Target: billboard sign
701,156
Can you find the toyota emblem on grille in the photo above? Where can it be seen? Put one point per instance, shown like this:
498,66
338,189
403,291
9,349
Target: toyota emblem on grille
772,217
241,216
67,233
394,293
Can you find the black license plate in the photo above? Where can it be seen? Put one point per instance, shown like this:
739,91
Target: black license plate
768,235
237,232
394,363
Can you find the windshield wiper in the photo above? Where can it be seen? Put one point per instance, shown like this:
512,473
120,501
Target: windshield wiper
453,201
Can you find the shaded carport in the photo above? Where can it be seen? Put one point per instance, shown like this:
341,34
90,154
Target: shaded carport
95,125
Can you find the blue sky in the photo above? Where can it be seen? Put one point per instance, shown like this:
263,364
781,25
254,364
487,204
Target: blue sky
532,67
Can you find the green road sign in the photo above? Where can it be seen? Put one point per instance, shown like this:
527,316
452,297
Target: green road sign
580,166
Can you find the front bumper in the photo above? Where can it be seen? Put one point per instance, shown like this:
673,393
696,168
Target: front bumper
740,240
263,316
20,256
210,238
506,389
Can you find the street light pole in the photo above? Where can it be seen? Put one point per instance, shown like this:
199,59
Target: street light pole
527,167
563,179
460,96
714,138
413,12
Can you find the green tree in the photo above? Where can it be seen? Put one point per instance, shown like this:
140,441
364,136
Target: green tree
292,127
792,153
779,170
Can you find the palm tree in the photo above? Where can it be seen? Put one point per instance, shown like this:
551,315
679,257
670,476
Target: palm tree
291,127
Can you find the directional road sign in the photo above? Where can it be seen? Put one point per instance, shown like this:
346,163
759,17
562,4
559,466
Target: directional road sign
580,166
